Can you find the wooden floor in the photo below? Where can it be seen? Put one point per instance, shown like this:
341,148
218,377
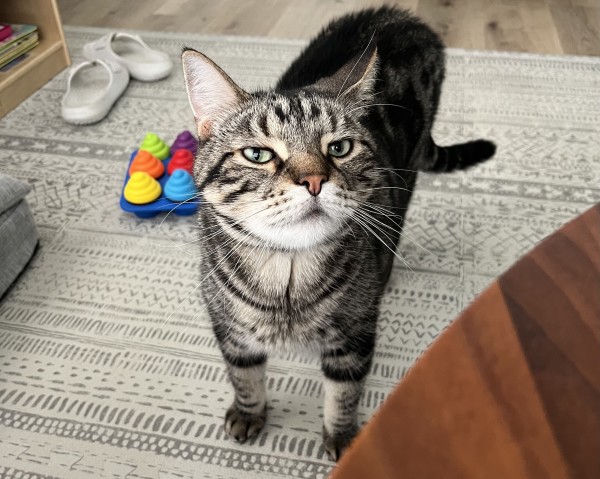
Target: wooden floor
541,26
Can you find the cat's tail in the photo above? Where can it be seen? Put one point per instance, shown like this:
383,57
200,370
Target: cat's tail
443,159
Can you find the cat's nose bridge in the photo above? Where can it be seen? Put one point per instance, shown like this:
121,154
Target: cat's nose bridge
308,170
307,164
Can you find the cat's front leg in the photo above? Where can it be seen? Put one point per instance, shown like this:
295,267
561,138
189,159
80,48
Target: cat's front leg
248,413
345,369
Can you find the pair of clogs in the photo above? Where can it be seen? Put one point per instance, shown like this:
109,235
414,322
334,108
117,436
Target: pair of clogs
94,86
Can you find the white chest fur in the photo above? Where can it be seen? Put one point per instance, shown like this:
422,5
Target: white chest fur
281,273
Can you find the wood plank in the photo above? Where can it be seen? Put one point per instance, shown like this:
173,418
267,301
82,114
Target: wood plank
246,18
458,22
196,17
540,26
504,27
577,29
293,22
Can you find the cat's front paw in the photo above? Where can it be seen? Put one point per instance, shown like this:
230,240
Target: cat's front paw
335,443
241,425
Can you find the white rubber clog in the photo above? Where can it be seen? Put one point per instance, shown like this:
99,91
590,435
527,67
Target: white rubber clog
92,90
131,52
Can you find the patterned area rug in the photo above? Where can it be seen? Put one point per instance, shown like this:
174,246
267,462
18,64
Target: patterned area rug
95,382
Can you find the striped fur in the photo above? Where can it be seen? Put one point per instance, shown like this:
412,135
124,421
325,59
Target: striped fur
282,268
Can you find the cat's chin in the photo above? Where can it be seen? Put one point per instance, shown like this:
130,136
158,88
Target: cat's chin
312,230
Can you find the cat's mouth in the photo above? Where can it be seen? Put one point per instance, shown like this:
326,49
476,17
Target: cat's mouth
301,222
312,212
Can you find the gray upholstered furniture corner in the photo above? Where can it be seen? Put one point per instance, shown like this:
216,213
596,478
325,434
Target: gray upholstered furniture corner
18,235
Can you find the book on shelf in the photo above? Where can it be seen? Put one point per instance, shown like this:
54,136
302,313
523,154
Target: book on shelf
21,41
5,31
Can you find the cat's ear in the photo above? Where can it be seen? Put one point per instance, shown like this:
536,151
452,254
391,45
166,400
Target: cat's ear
356,78
210,90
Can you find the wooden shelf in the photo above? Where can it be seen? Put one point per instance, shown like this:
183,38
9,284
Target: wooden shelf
43,62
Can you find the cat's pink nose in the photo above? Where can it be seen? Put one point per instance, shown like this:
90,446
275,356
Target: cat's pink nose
313,183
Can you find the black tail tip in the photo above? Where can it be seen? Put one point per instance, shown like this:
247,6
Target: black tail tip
475,152
484,149
462,156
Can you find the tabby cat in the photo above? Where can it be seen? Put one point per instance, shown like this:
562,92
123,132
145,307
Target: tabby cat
304,190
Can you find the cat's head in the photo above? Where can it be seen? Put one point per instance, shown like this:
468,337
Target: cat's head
290,168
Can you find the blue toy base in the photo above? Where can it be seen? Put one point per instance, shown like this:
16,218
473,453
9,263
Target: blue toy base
162,204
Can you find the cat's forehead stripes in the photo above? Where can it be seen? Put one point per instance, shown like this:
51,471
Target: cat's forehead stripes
283,122
278,110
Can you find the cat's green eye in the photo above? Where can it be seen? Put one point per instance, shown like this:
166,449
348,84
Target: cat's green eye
257,155
340,148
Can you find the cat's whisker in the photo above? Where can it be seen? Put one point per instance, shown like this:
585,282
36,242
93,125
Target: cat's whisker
355,65
380,104
395,169
371,222
227,221
380,210
347,224
385,188
385,207
212,235
238,202
391,249
158,229
383,212
394,173
360,101
401,232
193,199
